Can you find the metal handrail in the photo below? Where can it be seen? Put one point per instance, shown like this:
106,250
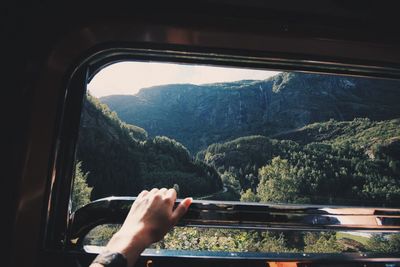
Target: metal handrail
257,216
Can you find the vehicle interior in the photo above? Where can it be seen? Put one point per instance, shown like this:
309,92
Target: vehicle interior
312,181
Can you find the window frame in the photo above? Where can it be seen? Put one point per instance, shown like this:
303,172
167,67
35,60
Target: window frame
92,60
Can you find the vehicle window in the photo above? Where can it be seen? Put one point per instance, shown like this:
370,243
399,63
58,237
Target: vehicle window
237,240
230,134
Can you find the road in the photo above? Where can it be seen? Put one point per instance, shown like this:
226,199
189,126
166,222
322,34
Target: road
224,190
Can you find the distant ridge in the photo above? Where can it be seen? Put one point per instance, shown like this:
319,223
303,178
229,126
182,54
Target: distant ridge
199,115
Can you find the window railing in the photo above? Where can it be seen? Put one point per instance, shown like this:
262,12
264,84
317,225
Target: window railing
239,215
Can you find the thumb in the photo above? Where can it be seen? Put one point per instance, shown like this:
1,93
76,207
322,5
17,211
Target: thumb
181,209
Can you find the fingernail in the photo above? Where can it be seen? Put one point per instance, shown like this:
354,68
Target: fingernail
188,201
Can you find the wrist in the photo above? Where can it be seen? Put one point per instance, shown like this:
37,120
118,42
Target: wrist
130,246
110,259
139,235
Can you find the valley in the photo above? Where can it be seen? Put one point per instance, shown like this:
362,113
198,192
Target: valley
293,138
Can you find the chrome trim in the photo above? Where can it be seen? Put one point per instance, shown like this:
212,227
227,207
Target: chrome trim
353,257
261,60
241,215
314,257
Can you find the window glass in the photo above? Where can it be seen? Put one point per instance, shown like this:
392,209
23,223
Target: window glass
241,135
237,240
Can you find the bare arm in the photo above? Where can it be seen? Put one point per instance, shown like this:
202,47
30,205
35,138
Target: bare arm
150,218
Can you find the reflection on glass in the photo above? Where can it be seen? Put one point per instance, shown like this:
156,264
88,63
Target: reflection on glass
235,240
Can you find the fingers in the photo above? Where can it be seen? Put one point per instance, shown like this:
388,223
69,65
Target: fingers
162,191
171,193
181,209
142,194
168,195
153,191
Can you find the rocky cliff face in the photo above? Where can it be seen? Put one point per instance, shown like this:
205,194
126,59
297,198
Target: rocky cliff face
200,115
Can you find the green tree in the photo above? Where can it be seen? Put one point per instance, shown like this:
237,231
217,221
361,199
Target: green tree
249,196
389,243
121,160
278,182
100,235
322,243
233,240
229,179
81,190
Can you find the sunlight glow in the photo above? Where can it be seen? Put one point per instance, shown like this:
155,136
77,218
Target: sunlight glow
129,77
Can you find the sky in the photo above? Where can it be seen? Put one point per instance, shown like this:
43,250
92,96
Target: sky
126,78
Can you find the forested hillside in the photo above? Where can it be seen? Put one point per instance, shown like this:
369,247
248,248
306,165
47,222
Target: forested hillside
352,162
293,138
119,159
199,115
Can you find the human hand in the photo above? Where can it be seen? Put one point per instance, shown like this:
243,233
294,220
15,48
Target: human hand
149,219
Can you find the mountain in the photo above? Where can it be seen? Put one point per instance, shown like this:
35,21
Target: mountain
199,115
120,159
372,136
342,163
